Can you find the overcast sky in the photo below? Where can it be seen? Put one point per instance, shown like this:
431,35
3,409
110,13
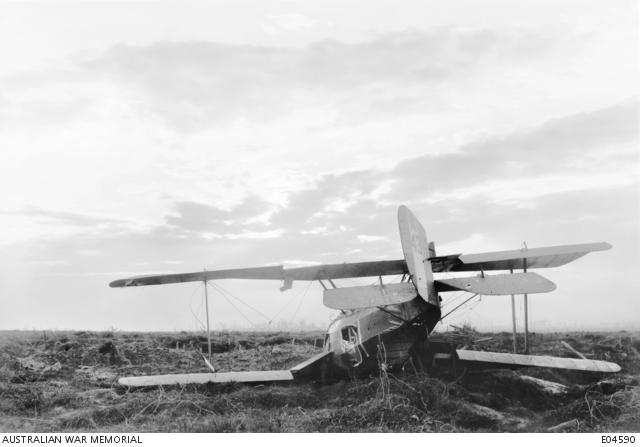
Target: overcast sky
168,137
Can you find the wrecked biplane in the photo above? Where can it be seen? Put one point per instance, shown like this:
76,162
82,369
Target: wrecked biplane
395,317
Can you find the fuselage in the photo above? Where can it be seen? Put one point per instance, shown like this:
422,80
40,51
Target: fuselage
363,340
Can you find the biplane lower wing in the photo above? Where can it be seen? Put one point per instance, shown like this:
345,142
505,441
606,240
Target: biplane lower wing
203,378
501,284
277,272
312,366
542,257
309,368
501,359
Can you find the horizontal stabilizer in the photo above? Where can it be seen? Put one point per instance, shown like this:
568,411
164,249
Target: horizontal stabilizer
276,272
542,257
543,361
361,297
502,284
202,378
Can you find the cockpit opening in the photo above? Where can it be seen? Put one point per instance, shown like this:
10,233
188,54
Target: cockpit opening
350,335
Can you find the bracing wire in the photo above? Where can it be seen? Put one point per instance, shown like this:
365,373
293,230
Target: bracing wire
217,288
202,326
301,300
472,305
466,310
243,302
285,306
460,305
226,294
451,301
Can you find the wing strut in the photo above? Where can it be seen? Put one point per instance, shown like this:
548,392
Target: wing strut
513,320
206,306
526,311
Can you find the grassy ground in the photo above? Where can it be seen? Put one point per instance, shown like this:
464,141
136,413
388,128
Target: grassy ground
66,381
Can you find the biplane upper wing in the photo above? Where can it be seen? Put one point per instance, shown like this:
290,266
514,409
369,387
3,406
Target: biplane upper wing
542,257
277,272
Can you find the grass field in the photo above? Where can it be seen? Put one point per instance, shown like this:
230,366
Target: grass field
67,381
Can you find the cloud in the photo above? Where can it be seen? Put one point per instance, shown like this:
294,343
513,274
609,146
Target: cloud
584,144
195,84
62,217
587,150
194,216
574,154
287,22
218,155
580,216
500,178
47,97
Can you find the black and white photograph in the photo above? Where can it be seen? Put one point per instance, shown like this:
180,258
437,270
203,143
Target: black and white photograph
303,216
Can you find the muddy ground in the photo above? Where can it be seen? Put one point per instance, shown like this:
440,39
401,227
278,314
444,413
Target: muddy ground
67,381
